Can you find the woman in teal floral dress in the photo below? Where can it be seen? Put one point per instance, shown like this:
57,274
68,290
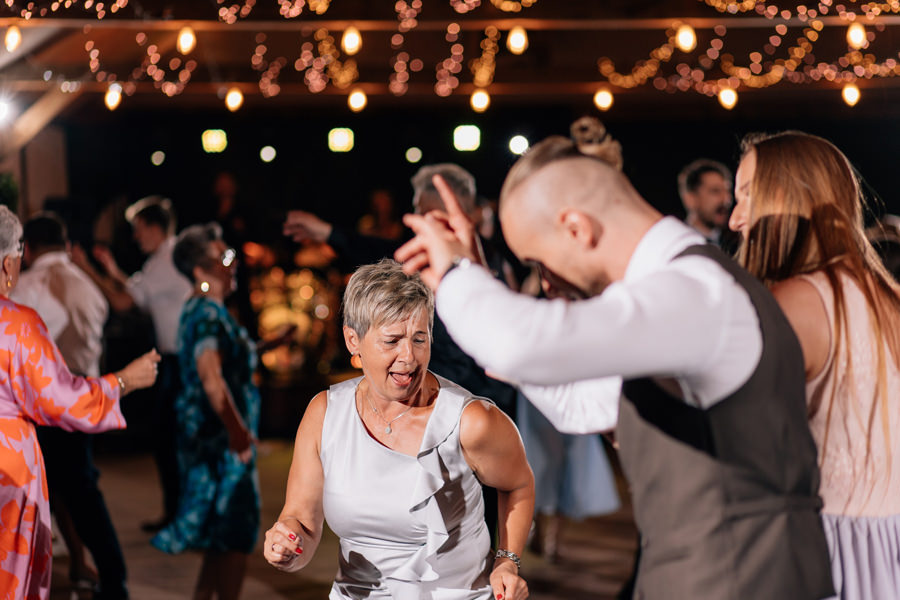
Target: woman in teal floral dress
218,415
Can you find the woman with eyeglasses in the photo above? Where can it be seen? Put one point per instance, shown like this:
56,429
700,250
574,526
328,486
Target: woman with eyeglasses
37,388
217,411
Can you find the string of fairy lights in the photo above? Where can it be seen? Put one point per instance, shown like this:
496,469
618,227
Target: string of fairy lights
787,54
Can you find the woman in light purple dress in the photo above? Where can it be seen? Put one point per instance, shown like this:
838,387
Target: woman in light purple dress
800,212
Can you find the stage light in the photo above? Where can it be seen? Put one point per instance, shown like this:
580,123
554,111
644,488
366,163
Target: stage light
214,141
467,138
267,154
518,144
413,155
186,40
351,41
603,99
340,139
517,40
357,100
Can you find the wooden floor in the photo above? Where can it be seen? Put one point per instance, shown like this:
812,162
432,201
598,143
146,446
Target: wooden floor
596,554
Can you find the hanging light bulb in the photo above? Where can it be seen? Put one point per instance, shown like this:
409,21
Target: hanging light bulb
603,99
856,35
357,100
480,100
728,98
517,40
234,99
186,40
686,38
351,41
113,96
13,38
850,94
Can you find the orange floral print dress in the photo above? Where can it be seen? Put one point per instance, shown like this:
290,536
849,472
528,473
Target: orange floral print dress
36,387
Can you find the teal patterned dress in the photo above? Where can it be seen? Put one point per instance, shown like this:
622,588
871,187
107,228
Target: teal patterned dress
218,508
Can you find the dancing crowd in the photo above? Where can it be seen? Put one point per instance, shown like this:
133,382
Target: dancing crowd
744,363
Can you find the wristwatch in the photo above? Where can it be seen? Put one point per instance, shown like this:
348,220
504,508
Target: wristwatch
501,553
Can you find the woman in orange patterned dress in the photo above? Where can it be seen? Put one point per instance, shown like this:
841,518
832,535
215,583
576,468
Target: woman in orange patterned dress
36,388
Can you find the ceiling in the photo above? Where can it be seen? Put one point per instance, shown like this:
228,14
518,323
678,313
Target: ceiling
261,52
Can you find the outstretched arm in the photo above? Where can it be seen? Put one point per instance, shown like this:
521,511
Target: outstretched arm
493,449
292,541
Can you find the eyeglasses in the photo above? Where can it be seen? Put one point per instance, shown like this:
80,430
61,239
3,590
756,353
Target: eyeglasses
228,257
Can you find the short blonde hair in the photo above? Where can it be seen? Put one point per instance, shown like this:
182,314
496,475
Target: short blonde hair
383,293
10,233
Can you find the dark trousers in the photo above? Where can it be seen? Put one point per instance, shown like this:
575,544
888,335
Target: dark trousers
167,386
72,477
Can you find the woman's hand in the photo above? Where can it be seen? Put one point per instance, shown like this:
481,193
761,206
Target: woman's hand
141,372
241,441
505,581
284,544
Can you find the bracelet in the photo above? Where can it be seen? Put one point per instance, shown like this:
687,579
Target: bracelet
501,553
121,383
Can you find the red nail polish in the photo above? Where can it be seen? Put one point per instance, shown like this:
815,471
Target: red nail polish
299,550
292,537
499,596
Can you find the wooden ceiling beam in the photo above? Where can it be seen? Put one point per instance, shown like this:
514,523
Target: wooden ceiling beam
36,117
538,24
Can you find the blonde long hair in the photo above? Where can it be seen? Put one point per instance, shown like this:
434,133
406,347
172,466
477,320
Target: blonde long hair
807,215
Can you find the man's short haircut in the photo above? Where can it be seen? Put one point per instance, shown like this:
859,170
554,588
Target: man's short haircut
460,181
382,293
192,248
45,230
153,210
690,177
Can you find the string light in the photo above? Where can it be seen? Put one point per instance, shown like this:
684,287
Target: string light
603,99
518,144
186,40
467,138
856,35
413,155
357,100
517,40
686,38
480,100
158,158
13,38
234,99
267,154
850,94
113,96
728,98
214,141
351,41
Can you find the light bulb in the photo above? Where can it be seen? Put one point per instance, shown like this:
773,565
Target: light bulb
517,40
357,100
686,38
856,36
186,40
234,99
351,41
728,98
13,38
480,100
113,96
603,99
850,94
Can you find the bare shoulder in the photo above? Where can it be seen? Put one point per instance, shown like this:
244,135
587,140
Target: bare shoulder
799,299
480,422
315,411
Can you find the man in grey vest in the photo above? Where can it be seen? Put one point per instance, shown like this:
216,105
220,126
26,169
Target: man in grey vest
712,427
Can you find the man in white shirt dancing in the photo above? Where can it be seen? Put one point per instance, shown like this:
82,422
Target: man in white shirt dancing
158,288
712,430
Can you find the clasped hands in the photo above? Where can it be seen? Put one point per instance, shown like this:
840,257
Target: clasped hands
441,238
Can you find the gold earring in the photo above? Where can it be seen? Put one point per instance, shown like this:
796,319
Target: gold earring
9,282
204,286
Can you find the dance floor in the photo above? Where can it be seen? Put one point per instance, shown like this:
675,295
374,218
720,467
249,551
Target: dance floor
596,554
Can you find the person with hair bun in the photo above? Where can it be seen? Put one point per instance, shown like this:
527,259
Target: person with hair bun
671,344
800,214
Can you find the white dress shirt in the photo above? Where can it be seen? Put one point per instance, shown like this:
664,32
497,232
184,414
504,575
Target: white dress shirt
160,289
71,305
686,320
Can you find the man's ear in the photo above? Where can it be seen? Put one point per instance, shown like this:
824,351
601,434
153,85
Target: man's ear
689,200
580,228
351,338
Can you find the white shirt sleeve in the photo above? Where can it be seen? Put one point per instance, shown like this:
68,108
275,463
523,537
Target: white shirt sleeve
589,406
666,324
136,286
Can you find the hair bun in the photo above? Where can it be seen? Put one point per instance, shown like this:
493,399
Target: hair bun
593,140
